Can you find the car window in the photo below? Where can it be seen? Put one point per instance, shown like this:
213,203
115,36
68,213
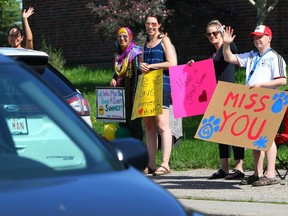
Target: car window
57,81
49,74
37,62
42,131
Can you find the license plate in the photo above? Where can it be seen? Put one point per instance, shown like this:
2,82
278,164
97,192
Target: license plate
18,126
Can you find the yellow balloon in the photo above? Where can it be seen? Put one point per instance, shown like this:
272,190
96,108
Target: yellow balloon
109,131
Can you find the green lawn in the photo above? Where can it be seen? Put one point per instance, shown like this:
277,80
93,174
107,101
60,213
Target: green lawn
191,153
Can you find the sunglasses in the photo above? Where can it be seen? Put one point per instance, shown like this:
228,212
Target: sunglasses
215,33
14,36
154,25
122,36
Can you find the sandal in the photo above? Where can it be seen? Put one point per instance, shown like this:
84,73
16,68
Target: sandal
162,170
264,181
149,170
249,180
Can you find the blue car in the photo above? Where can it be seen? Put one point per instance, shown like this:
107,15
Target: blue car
63,167
39,61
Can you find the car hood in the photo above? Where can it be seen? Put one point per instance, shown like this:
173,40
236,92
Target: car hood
126,192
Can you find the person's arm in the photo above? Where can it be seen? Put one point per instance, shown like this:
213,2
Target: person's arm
228,38
170,55
143,67
28,32
271,84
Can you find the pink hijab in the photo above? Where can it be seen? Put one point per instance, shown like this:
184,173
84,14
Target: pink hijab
131,49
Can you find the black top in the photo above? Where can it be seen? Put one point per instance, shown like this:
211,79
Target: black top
224,71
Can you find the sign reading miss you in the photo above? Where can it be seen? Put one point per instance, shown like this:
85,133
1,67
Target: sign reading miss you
192,87
110,104
240,116
148,97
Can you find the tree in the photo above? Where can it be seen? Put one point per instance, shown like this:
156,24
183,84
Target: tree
117,13
10,3
263,9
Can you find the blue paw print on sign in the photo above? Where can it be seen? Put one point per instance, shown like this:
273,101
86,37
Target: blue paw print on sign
209,127
280,101
261,142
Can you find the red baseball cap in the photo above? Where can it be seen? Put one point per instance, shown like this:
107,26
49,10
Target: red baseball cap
260,31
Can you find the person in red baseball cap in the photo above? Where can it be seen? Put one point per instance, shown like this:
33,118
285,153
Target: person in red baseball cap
260,31
264,68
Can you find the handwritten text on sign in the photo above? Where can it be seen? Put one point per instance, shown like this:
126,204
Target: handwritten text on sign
243,117
110,104
149,93
192,87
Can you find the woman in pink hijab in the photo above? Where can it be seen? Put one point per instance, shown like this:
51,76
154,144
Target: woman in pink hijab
126,75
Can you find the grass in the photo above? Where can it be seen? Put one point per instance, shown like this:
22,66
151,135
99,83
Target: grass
191,153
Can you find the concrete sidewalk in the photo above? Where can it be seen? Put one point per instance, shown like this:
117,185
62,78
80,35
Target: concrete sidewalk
225,197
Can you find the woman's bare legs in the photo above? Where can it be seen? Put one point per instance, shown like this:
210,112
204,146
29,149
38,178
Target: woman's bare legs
225,164
151,140
151,126
163,122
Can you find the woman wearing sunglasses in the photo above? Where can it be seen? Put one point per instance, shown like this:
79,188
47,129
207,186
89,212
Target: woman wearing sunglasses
126,67
225,72
15,34
158,53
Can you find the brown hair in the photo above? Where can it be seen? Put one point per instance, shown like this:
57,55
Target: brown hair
159,20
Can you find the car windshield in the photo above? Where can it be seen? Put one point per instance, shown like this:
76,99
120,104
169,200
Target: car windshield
41,134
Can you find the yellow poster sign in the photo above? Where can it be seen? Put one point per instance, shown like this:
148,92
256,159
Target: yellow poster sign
149,93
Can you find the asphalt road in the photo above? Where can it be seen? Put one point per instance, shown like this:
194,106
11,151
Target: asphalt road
225,197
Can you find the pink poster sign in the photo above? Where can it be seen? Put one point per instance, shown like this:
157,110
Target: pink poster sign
192,87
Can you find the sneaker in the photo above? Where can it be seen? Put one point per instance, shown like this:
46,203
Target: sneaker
236,174
249,180
264,181
219,174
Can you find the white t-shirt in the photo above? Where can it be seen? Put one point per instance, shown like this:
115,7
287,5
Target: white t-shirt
269,67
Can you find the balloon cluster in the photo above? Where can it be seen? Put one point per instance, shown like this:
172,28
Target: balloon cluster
112,131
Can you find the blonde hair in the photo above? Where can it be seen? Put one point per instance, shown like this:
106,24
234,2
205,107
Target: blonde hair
216,23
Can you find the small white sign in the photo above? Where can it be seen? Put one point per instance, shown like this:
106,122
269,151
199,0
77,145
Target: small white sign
110,104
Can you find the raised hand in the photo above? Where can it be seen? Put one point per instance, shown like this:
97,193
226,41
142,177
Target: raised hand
228,36
27,13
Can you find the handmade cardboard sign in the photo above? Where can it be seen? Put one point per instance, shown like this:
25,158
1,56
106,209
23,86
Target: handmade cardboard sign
148,97
110,104
240,116
192,87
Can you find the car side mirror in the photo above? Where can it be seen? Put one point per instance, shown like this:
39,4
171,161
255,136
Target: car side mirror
131,151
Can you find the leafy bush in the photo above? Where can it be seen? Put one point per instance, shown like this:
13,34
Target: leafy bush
116,13
55,55
10,15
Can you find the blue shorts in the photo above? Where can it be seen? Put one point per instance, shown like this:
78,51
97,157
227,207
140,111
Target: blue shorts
166,99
